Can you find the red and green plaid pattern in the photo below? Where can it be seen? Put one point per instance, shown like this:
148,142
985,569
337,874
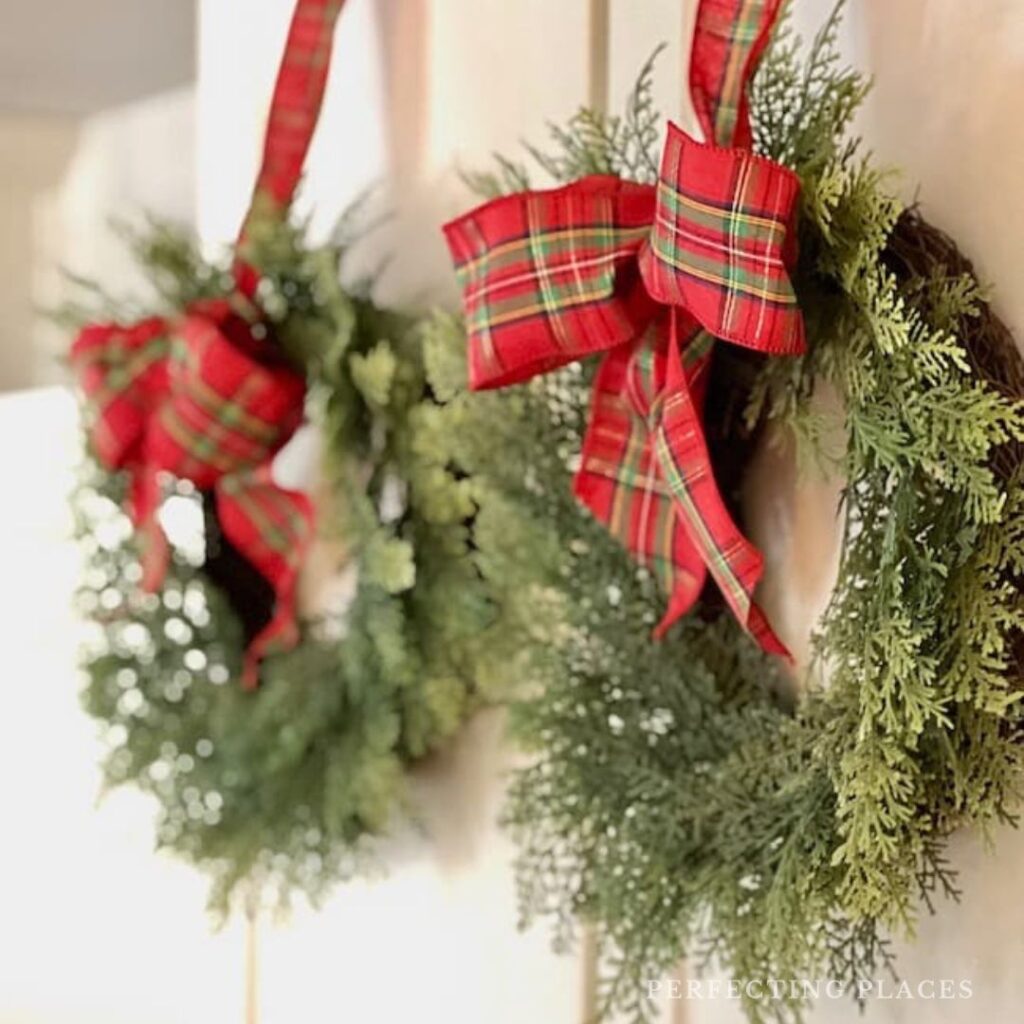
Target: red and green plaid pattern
122,371
298,95
729,38
272,527
651,277
544,274
734,563
620,478
718,244
294,112
224,411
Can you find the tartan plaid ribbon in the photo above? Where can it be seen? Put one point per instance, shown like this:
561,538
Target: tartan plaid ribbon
294,111
650,277
206,397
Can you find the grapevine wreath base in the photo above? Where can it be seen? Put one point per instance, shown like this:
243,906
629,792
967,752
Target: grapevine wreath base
680,799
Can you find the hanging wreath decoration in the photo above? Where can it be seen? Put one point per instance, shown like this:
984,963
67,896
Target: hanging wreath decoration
274,746
680,798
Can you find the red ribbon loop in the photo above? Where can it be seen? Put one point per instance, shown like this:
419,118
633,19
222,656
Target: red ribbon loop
549,277
650,277
224,409
720,243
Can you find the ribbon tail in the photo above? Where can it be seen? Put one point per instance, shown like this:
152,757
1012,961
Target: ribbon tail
280,634
682,599
272,528
144,503
734,563
620,483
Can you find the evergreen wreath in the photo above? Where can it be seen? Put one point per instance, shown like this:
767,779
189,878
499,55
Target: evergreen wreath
280,787
679,798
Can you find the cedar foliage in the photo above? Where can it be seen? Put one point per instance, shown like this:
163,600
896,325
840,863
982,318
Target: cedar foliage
673,798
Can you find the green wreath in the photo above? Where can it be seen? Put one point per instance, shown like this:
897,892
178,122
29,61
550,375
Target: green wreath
282,785
679,798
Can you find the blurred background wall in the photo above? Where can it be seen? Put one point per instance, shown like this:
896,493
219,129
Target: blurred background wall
96,118
121,106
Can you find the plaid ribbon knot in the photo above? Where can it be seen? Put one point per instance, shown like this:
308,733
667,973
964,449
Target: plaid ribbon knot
650,276
206,397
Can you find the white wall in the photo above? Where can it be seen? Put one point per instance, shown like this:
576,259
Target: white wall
70,57
61,182
34,154
92,922
93,925
129,162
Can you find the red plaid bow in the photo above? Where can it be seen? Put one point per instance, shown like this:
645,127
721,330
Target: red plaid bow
207,397
650,277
